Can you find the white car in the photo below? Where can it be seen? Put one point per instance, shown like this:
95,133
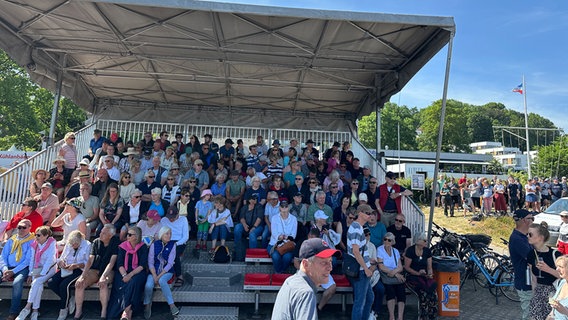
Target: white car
552,217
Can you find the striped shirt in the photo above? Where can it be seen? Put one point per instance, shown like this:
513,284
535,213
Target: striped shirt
356,236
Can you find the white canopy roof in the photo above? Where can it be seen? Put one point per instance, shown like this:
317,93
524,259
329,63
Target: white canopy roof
285,67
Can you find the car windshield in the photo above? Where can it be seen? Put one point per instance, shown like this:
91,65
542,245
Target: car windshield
558,206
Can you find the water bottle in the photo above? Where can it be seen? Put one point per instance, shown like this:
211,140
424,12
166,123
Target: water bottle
528,276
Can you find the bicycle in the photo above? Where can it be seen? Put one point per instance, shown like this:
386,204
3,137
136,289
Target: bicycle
488,272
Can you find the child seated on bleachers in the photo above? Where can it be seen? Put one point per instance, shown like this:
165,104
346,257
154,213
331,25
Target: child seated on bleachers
202,210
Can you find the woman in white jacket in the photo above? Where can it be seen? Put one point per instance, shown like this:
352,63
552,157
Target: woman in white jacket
284,227
42,267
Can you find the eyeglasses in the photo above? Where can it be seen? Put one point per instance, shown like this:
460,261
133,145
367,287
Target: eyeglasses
334,187
22,227
343,166
313,182
126,177
137,197
38,235
107,160
368,212
186,195
398,220
151,177
170,179
25,205
192,181
204,148
199,164
372,182
530,234
387,239
350,218
130,234
72,138
563,216
354,182
298,179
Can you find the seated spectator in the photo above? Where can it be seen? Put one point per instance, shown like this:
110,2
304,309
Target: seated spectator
90,208
325,230
274,168
164,142
354,190
180,234
126,187
110,165
99,269
174,172
150,226
377,230
169,158
299,187
14,263
71,264
161,259
101,184
219,188
111,208
418,265
271,209
256,188
313,190
199,175
73,191
48,203
148,185
171,192
157,203
333,162
401,233
39,177
340,213
278,187
320,205
222,168
180,145
251,174
345,176
136,173
68,151
146,160
209,159
295,171
42,267
234,192
184,205
300,210
110,152
95,144
333,196
291,155
147,142
125,164
132,213
130,276
252,158
250,224
157,150
391,265
321,173
70,219
29,213
203,209
220,222
194,196
160,172
332,178
284,227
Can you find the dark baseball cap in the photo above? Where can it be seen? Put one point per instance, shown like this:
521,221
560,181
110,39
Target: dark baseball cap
317,247
520,214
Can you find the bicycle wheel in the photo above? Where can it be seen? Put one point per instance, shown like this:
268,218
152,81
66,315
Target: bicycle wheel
507,277
490,263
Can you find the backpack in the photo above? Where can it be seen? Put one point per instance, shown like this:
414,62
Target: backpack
221,255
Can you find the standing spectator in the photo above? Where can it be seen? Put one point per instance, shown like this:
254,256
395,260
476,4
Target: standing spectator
562,243
555,190
402,234
390,195
42,268
99,270
130,276
486,196
454,193
161,259
71,264
95,144
531,201
514,194
180,234
519,248
69,151
499,196
475,194
363,296
14,263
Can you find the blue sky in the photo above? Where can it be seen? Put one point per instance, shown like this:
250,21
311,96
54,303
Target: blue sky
496,43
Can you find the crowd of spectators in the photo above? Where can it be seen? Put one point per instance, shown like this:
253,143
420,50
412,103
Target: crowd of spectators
142,201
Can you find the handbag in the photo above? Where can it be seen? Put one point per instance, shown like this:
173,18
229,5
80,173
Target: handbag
388,280
65,273
285,247
350,266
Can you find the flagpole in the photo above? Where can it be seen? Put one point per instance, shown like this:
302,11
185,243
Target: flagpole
527,129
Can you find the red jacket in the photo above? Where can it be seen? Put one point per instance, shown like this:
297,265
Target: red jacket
34,217
384,195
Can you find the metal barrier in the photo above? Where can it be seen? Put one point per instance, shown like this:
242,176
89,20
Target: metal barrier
14,183
414,216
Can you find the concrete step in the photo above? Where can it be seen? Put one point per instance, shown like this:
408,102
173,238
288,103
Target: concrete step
208,313
216,279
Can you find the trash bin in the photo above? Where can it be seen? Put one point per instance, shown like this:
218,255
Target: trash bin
447,276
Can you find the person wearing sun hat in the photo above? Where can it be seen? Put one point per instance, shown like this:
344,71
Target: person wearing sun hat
296,298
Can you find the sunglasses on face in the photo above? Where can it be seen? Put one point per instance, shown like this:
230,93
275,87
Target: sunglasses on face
192,181
398,220
334,187
373,182
151,177
387,239
38,235
130,234
137,197
22,227
530,234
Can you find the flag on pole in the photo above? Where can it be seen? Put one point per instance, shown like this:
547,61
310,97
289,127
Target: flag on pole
518,89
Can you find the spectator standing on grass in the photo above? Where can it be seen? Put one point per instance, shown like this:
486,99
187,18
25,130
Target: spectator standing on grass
519,249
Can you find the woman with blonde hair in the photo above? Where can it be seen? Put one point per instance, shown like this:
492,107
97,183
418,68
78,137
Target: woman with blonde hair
559,301
69,151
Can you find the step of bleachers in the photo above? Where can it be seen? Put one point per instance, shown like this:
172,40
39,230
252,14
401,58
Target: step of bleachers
208,313
215,279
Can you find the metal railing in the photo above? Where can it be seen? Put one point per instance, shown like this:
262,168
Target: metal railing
15,182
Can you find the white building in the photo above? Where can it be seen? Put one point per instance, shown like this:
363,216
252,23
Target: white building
509,157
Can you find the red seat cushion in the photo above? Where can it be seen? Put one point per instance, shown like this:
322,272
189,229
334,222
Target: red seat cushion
278,278
341,280
257,279
257,253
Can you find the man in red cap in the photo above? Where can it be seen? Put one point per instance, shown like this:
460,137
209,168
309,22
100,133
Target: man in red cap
297,296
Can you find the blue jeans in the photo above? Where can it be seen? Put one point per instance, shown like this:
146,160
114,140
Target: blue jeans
363,296
379,291
265,236
281,263
17,289
239,240
222,229
166,291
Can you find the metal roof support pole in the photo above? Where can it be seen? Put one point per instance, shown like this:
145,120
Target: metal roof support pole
56,99
440,132
378,108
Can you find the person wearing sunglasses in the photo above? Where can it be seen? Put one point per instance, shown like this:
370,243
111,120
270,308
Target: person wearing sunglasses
14,262
519,249
132,213
28,212
390,265
42,268
126,186
69,151
420,276
197,173
402,233
130,276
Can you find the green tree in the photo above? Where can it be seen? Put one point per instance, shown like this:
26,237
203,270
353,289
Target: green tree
479,127
552,160
25,109
391,116
455,138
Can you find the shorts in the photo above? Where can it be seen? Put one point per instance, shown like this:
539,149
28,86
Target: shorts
530,197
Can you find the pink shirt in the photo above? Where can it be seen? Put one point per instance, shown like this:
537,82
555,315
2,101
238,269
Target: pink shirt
69,152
